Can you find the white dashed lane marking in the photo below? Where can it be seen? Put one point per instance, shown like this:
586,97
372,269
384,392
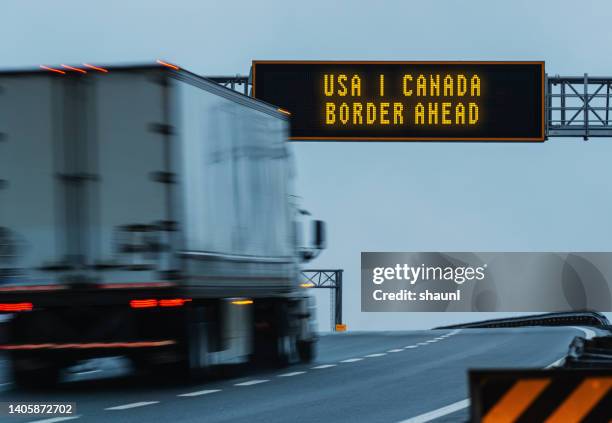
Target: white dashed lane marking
323,366
291,374
351,360
55,419
440,412
132,405
252,382
88,372
198,393
376,355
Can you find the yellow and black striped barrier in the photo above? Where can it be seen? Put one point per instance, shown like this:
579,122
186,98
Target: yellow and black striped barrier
551,396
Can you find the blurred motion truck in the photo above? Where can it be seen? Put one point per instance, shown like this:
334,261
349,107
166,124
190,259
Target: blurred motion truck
146,211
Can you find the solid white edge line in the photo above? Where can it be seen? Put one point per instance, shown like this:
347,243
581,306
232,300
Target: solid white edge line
252,382
376,355
394,350
351,360
291,374
131,405
411,346
55,419
456,406
556,363
198,393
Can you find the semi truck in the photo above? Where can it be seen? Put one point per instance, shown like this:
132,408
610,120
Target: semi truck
146,211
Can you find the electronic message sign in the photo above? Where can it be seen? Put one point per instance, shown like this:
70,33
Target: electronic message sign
406,101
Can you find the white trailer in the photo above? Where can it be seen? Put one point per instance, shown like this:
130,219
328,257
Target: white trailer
145,210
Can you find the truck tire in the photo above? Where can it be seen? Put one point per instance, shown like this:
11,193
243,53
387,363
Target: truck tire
284,351
46,376
306,351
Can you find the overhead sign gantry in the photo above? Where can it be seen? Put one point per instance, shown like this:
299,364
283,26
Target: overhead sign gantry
406,101
575,106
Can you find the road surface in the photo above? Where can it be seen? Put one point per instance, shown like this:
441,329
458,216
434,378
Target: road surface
371,377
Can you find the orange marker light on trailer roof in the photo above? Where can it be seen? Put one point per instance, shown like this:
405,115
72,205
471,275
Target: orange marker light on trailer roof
98,68
72,68
170,65
285,112
52,69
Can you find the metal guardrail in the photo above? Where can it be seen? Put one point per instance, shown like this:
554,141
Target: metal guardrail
584,318
590,353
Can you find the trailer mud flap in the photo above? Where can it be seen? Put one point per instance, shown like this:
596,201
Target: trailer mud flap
558,395
198,352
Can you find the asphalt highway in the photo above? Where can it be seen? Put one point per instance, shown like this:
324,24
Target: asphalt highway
358,377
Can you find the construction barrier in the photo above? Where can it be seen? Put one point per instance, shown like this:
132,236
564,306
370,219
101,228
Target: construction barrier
551,396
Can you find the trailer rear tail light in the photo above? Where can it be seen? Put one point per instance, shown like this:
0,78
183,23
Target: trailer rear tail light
15,307
169,65
98,68
242,302
166,302
174,302
143,303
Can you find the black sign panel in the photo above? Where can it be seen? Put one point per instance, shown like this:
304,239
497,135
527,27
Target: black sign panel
406,101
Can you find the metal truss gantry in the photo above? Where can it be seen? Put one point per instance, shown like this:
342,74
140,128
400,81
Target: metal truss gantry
578,106
238,83
327,279
575,106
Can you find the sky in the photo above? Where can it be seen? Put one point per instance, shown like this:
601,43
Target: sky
555,196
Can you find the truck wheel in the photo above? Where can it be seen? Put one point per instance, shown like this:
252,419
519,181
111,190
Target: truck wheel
168,367
306,351
283,351
45,376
